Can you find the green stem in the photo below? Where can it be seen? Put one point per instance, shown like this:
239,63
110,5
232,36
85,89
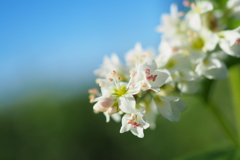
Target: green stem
234,72
217,113
221,120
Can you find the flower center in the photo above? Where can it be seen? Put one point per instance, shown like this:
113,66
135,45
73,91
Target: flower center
197,43
171,63
121,91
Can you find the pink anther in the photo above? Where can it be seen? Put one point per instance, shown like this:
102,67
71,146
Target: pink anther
186,3
149,78
147,71
132,86
237,41
133,74
154,78
114,72
131,121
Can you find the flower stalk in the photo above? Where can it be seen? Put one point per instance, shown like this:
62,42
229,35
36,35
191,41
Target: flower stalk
234,72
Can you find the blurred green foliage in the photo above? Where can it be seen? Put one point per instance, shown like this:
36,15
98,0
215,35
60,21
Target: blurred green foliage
46,127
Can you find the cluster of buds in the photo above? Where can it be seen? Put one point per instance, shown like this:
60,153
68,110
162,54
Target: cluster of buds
193,46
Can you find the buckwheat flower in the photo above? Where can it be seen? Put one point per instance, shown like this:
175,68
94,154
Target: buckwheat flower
171,57
220,55
234,6
186,80
169,107
138,55
171,23
134,123
120,92
230,42
194,15
212,69
150,77
110,64
199,43
104,102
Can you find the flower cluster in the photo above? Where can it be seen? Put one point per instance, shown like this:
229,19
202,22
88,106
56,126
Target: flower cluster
194,46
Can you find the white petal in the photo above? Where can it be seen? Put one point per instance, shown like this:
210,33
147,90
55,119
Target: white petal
116,117
165,109
214,69
138,131
196,56
107,116
195,21
103,104
230,50
127,104
136,89
161,79
205,6
231,36
187,87
125,128
211,41
151,65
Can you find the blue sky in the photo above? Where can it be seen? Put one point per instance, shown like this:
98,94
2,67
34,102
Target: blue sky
62,42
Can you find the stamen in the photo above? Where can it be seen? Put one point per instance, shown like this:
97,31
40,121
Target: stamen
237,41
193,5
150,78
131,121
189,32
132,86
119,78
93,91
180,14
135,124
114,73
186,3
175,49
133,74
147,71
190,40
91,97
144,85
154,78
195,35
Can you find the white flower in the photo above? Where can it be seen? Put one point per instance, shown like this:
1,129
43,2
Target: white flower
104,102
234,6
110,64
150,77
186,80
230,42
120,92
169,107
138,55
171,23
135,123
194,15
212,68
199,43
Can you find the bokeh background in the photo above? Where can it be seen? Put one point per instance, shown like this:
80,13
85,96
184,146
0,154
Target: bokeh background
48,52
